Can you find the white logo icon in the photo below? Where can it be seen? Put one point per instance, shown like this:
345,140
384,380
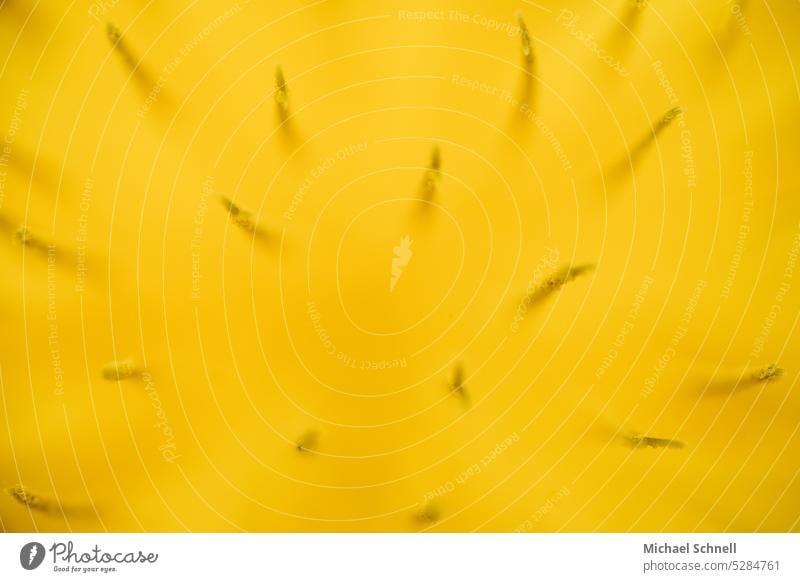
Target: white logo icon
401,258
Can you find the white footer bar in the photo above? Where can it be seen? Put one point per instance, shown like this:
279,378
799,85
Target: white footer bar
400,557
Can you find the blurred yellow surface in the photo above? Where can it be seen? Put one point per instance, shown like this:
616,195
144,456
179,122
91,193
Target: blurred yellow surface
243,305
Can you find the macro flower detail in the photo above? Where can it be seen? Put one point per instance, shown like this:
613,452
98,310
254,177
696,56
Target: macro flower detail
371,267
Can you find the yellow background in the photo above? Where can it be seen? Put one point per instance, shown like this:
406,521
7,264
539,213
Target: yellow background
237,367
